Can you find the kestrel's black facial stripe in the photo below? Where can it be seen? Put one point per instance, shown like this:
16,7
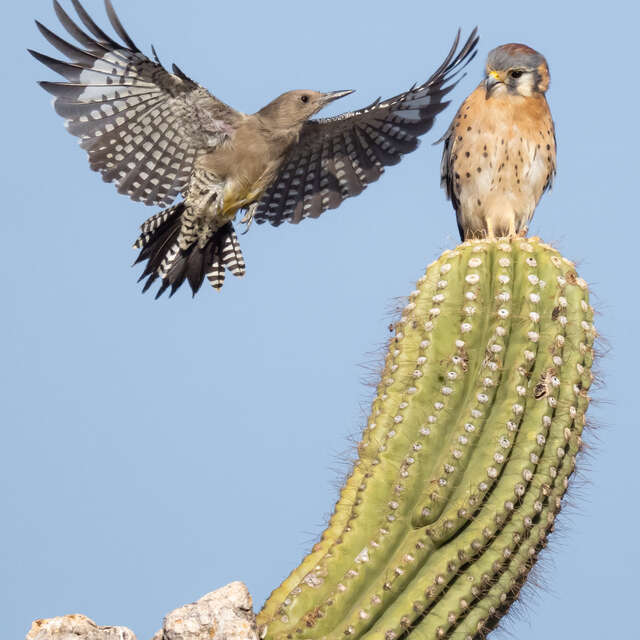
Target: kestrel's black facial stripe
538,79
517,77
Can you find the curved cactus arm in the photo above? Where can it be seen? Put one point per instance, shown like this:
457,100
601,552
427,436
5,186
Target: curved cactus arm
465,457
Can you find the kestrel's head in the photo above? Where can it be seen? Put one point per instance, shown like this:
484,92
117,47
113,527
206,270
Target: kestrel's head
516,69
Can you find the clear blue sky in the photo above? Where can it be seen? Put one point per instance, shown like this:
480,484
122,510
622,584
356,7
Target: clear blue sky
156,450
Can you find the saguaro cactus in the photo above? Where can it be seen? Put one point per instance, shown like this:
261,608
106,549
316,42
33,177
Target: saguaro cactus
465,457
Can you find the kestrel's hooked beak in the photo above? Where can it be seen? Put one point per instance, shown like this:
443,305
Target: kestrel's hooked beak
493,78
334,95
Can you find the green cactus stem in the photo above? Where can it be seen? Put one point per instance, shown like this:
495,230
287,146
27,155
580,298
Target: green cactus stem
465,457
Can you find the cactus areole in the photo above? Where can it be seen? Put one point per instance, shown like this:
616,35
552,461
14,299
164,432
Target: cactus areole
464,460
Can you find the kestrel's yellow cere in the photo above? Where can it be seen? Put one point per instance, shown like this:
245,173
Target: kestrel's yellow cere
500,150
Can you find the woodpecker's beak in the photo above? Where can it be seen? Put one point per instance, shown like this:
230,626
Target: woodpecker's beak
334,95
493,78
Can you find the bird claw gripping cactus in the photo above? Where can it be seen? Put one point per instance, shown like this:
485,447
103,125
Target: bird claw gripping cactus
465,457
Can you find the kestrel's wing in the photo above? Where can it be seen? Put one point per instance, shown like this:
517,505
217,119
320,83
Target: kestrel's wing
142,126
336,158
446,166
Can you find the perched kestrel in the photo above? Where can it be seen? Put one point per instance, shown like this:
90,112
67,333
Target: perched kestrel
500,150
160,136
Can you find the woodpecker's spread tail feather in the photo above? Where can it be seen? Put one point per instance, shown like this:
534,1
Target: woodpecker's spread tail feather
159,246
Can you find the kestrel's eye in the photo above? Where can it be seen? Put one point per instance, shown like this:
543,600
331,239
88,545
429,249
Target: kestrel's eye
516,73
304,98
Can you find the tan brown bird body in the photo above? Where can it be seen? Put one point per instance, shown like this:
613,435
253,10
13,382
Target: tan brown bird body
500,150
159,135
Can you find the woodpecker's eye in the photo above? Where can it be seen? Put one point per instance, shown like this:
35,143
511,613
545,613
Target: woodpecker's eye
304,98
516,73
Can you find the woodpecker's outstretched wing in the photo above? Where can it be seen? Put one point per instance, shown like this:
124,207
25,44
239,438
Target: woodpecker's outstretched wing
142,126
336,158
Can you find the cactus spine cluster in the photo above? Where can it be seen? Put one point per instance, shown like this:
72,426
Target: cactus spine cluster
465,457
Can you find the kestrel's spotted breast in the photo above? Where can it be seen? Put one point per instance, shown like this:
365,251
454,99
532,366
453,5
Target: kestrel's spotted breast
500,151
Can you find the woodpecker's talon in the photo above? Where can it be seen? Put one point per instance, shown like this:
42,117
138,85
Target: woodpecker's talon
247,218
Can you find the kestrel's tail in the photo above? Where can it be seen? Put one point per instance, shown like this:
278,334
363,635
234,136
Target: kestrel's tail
159,245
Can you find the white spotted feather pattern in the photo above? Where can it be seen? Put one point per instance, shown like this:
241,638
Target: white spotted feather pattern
336,158
142,126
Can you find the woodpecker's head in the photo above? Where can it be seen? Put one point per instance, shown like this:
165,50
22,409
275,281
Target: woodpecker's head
294,108
517,70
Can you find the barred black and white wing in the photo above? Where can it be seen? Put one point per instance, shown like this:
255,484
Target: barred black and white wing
142,126
336,158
